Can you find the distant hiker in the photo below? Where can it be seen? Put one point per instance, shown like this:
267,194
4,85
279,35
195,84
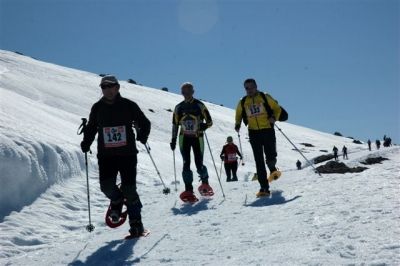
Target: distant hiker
378,144
369,145
112,118
228,155
335,153
344,150
193,118
259,111
298,164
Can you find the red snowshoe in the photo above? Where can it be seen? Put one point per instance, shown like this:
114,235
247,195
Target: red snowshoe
205,190
115,217
188,196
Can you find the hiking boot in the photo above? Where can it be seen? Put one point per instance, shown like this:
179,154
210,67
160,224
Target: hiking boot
137,228
116,210
264,192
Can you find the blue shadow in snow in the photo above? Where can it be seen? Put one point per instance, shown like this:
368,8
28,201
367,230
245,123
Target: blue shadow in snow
113,253
275,199
191,209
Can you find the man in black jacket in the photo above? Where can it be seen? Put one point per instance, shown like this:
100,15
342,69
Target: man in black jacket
112,118
193,118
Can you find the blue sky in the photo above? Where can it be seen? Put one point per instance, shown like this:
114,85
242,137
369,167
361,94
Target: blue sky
333,64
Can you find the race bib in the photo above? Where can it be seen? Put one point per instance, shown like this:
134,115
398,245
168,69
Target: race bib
232,157
189,127
255,110
114,136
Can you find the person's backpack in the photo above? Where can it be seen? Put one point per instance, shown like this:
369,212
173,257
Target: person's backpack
283,117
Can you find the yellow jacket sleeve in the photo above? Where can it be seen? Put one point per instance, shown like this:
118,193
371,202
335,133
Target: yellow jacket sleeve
238,117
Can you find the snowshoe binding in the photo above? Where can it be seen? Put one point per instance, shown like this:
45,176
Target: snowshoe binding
275,175
114,215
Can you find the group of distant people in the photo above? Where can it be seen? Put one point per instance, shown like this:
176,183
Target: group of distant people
387,142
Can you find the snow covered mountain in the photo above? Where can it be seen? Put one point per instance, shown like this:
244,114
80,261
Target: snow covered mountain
329,220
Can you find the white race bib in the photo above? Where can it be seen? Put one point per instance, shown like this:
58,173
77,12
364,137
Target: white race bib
114,136
255,110
232,157
189,127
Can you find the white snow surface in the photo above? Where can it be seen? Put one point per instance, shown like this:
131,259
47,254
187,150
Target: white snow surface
336,219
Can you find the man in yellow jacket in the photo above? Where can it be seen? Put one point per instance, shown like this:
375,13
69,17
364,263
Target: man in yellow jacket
259,112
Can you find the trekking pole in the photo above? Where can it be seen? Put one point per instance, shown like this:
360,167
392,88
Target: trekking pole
241,151
216,171
298,149
176,188
220,169
166,190
90,227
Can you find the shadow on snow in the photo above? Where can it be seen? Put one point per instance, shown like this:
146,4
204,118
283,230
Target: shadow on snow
276,199
113,253
191,209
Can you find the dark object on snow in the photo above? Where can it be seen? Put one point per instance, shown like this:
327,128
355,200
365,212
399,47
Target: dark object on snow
374,160
356,141
334,167
151,110
323,158
350,137
131,81
164,89
307,144
103,75
18,53
168,110
323,150
298,164
338,134
369,144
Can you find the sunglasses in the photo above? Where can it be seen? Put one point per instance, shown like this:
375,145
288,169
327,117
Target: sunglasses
250,88
107,86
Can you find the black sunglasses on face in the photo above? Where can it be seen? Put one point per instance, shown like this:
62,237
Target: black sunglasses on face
250,88
107,86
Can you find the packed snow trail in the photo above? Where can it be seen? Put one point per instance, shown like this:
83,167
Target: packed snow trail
336,219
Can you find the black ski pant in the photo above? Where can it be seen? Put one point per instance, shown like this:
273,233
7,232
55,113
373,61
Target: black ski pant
108,171
230,170
263,142
186,144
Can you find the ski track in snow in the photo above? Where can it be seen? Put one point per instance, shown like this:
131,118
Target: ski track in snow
337,219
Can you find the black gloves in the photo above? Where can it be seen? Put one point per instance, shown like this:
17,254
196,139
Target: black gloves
173,144
142,138
237,128
85,147
203,126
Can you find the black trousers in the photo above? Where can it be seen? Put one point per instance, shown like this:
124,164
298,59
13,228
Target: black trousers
186,144
263,142
230,170
108,171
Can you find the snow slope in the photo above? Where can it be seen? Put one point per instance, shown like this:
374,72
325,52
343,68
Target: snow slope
336,219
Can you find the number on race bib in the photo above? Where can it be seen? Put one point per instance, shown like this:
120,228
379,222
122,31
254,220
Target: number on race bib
114,136
189,127
255,110
232,157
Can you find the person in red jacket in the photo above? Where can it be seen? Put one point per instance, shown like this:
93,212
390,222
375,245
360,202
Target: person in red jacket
228,155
